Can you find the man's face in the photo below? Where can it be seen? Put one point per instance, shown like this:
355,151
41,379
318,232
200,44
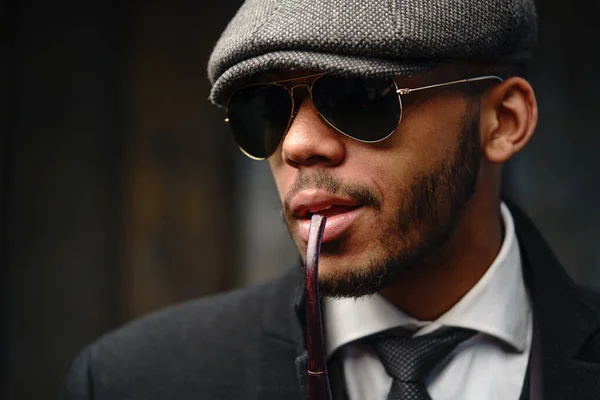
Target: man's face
390,205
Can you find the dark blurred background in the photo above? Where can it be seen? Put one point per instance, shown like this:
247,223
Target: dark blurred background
122,191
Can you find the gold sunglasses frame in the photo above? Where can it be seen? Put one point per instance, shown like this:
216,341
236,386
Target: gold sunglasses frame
314,77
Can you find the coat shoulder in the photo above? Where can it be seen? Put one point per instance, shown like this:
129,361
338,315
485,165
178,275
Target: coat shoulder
195,346
229,316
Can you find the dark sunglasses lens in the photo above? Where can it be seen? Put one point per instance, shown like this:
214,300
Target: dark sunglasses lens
365,109
259,116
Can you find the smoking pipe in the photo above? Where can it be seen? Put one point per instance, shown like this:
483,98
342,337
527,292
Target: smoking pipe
318,381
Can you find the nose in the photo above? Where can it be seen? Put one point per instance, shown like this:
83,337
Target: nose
310,140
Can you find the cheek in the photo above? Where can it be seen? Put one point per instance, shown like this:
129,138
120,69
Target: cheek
393,176
429,134
425,138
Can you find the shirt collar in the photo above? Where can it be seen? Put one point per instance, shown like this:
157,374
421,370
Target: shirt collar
498,305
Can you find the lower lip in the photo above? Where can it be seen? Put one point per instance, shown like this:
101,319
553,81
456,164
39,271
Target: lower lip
335,225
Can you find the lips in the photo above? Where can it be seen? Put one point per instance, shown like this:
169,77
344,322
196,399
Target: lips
328,211
341,213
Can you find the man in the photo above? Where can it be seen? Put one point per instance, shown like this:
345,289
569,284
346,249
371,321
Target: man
393,119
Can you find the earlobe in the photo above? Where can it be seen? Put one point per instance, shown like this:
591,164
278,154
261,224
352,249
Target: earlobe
509,112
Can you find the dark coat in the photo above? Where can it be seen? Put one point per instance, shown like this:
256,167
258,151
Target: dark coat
246,344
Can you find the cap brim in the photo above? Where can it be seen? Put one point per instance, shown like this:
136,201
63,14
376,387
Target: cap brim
244,71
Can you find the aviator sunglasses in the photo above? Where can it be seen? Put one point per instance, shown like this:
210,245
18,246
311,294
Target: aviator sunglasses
365,109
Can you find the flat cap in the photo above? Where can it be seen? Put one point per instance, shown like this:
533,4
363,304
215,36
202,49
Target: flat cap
368,37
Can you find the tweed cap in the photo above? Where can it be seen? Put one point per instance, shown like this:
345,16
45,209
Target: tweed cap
368,37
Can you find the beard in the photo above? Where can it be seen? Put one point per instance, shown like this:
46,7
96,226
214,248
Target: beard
430,209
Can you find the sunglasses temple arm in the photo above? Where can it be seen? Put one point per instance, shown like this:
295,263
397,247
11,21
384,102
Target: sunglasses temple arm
479,78
318,381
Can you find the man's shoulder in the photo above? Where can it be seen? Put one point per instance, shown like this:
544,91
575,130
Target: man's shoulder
234,315
195,345
204,317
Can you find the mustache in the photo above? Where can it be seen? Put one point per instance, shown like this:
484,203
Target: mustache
331,184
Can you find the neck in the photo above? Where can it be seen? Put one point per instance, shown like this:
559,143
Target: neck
427,291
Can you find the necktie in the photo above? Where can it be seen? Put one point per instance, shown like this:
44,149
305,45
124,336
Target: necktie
408,360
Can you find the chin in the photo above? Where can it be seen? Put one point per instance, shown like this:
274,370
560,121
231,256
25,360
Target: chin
335,266
352,275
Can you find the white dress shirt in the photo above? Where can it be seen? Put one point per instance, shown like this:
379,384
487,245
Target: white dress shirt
491,365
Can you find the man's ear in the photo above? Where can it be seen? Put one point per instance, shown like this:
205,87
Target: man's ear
509,116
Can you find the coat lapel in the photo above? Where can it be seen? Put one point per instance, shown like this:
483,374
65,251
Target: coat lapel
283,318
565,321
302,358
